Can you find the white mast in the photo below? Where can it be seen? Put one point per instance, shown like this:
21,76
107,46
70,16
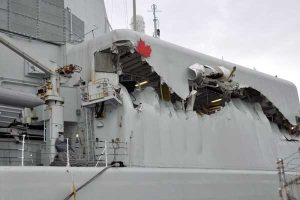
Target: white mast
134,15
156,33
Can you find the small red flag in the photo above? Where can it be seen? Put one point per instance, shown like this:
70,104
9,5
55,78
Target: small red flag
143,49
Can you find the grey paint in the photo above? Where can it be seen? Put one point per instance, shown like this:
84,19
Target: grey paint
177,139
238,137
41,19
12,157
20,99
171,62
93,14
55,183
71,103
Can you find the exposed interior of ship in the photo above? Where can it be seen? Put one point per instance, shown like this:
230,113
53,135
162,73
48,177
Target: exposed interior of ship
83,106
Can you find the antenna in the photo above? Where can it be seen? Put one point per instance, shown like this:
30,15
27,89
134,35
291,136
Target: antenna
154,10
134,14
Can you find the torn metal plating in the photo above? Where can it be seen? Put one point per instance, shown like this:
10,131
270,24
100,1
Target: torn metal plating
213,86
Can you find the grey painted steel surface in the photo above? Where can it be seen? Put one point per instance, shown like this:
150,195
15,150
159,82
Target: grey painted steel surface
32,154
36,183
46,20
238,137
74,27
24,55
93,14
12,65
51,25
71,104
171,62
40,19
20,99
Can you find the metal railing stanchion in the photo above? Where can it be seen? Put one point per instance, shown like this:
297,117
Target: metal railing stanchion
68,154
282,180
23,148
103,152
105,148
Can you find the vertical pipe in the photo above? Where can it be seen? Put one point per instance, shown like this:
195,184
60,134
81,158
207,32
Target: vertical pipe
154,20
91,136
68,154
23,148
105,146
56,123
71,24
129,150
134,15
87,134
44,124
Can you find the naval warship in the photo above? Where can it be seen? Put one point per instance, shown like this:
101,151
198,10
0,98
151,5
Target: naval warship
87,112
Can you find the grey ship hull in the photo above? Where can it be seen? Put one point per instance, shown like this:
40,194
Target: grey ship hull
217,157
36,183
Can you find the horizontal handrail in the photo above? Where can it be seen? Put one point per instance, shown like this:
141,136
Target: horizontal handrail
36,153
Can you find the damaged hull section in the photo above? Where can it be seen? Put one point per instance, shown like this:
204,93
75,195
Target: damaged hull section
238,137
226,116
170,62
165,121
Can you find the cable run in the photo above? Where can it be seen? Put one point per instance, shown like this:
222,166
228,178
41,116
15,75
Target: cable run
88,182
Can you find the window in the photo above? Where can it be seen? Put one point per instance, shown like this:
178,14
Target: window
103,62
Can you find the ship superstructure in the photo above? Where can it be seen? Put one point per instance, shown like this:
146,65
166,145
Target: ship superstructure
172,123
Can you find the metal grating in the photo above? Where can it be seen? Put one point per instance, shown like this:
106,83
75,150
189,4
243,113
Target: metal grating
3,19
51,14
22,25
57,3
23,8
45,20
3,14
77,29
3,4
77,26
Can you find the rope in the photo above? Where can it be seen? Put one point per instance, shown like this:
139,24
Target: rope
88,182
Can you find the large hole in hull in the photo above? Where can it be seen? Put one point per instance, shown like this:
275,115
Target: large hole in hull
210,96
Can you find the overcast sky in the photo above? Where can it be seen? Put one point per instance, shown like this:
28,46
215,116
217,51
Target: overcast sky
260,34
